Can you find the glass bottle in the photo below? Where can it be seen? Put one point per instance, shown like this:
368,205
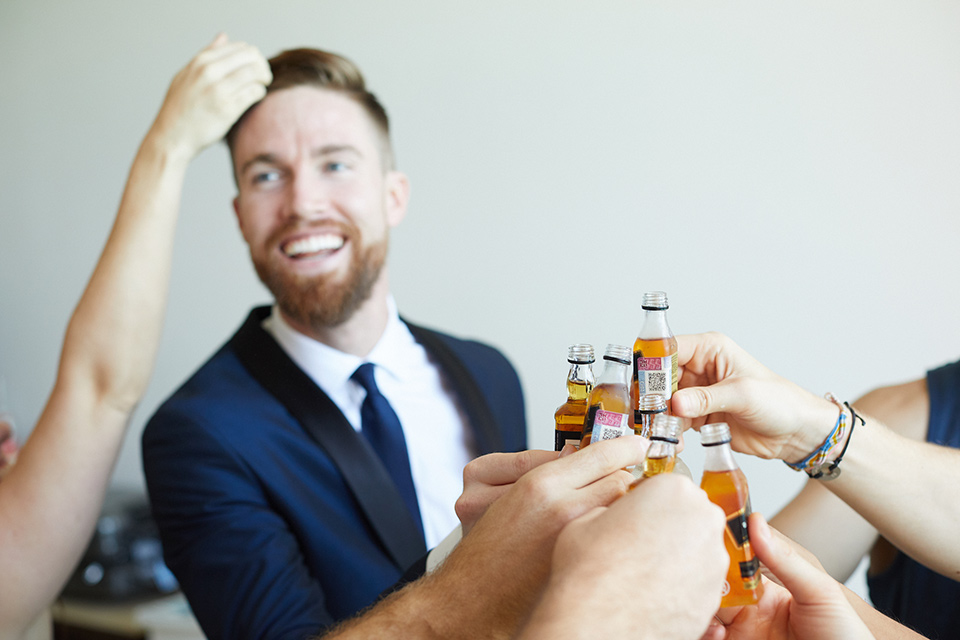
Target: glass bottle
609,412
569,417
662,453
654,352
726,486
651,405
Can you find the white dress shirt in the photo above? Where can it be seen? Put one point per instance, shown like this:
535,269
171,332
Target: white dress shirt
435,427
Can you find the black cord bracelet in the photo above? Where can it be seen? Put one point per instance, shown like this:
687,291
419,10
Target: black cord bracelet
833,469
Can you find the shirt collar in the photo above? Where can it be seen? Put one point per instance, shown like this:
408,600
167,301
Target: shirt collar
331,368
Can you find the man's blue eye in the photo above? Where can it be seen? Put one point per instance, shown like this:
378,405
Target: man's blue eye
336,166
266,176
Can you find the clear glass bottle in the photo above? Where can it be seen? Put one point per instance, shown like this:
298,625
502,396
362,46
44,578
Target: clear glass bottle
654,351
726,486
650,406
662,453
609,412
570,416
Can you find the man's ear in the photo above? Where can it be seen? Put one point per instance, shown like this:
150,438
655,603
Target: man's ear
397,195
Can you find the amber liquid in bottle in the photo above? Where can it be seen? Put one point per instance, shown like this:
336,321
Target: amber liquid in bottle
605,397
571,415
655,348
653,466
728,490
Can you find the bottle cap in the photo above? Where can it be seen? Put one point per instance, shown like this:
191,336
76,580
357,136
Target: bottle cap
652,403
580,354
714,433
666,428
617,353
655,301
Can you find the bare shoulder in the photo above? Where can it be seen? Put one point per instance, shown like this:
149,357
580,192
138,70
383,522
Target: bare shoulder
904,408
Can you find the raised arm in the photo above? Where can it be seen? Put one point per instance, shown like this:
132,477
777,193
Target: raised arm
50,499
840,547
488,585
893,481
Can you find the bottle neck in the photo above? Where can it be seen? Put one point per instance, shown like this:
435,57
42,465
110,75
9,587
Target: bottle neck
614,373
719,457
579,381
655,324
661,449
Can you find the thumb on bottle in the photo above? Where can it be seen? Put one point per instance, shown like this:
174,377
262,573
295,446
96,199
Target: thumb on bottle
696,402
807,583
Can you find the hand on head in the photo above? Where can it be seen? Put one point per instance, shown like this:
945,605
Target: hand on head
209,94
769,416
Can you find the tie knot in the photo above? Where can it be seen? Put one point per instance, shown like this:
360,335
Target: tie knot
364,377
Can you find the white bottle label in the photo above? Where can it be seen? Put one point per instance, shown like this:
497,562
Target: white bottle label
609,424
657,375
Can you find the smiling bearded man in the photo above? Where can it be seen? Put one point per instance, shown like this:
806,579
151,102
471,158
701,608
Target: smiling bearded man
322,301
317,456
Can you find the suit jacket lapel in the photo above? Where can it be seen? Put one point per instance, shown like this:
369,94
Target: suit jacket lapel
489,438
309,405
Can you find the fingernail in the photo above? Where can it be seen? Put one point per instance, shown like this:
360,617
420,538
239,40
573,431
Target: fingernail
567,450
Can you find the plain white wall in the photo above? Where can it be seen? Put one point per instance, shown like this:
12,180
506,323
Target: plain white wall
787,172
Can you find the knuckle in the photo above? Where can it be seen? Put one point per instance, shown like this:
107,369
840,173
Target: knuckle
463,507
471,469
534,488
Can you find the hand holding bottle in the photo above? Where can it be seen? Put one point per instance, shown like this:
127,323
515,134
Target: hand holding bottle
769,416
525,500
650,565
809,606
570,482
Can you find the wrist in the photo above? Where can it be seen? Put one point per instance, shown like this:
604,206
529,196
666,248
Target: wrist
823,462
815,425
166,149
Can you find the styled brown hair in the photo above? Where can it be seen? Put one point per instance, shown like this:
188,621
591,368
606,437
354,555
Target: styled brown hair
324,70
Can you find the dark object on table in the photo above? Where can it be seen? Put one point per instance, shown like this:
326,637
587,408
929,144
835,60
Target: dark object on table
124,561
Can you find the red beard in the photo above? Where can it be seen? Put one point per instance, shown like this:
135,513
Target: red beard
320,301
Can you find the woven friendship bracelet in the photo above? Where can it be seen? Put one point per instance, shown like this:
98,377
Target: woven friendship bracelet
833,469
813,463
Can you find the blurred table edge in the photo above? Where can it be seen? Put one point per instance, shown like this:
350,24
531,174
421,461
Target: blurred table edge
164,618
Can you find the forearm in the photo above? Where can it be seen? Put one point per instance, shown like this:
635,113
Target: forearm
468,596
114,333
882,627
413,612
838,547
441,605
896,482
59,481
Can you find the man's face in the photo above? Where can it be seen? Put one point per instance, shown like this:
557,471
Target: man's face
314,202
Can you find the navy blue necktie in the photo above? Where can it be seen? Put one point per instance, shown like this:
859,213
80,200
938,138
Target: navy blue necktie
381,427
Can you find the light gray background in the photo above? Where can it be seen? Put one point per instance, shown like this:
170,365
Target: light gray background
787,172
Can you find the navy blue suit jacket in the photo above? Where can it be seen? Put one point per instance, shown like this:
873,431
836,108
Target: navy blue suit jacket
276,516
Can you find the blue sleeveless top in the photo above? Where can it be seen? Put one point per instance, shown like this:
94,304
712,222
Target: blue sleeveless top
909,592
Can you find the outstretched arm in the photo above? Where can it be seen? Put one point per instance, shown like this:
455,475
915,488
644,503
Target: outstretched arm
50,499
893,481
649,566
489,583
840,547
